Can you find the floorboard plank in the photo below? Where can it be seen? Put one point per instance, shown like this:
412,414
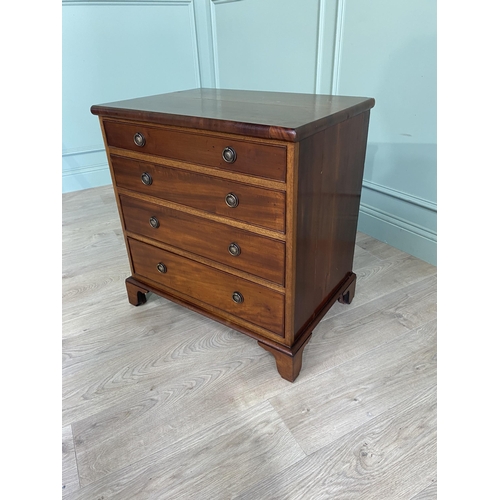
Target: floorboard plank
347,332
152,355
387,276
338,401
429,493
390,457
217,463
378,248
171,412
70,481
362,258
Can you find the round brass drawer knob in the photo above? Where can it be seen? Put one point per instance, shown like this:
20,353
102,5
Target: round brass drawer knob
229,155
234,249
139,139
146,179
162,268
232,200
237,297
154,222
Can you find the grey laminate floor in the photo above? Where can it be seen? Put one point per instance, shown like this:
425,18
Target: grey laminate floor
160,402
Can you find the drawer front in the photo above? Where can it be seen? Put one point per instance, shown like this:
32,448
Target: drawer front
262,160
249,252
255,205
260,305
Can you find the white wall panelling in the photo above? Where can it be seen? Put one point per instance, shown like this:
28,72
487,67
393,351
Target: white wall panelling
337,46
205,49
262,45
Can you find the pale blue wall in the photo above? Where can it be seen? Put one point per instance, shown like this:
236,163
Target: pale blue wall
113,51
387,50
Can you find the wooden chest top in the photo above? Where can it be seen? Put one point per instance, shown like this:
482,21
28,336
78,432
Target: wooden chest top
268,115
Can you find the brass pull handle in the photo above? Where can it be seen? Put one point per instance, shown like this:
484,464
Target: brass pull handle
139,139
146,179
234,249
229,155
162,268
232,200
237,297
154,222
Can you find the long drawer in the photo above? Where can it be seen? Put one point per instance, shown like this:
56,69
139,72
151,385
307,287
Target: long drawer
254,205
253,158
223,243
254,303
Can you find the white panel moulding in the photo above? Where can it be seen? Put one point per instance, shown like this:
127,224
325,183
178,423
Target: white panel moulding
399,222
213,28
82,151
339,26
215,52
319,46
400,195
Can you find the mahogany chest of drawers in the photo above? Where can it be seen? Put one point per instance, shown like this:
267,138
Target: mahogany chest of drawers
241,205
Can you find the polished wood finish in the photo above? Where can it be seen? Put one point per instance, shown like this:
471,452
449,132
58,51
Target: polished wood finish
251,329
288,362
329,192
270,115
193,234
137,293
201,169
348,290
253,158
260,305
287,207
261,207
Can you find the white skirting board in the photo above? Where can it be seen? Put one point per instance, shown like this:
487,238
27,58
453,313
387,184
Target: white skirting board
400,233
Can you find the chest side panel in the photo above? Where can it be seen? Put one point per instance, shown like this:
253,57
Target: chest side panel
331,165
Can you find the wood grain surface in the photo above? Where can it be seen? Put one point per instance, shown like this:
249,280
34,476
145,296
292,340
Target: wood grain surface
160,402
259,304
389,457
216,462
261,207
192,234
252,158
70,480
269,115
428,493
329,190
